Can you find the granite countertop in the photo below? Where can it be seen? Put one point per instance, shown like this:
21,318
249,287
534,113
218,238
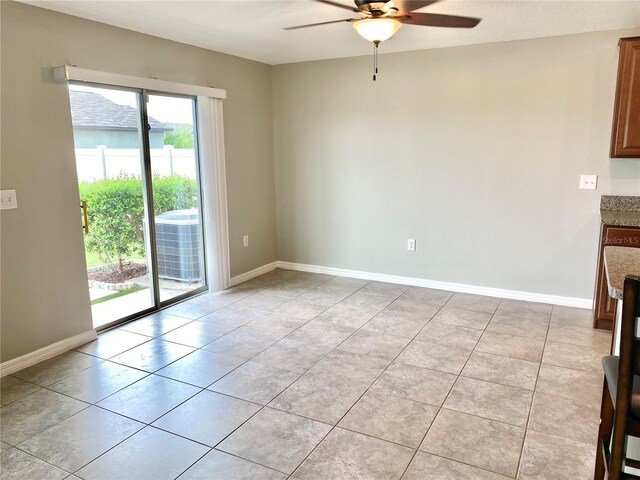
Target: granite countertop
620,210
620,262
620,218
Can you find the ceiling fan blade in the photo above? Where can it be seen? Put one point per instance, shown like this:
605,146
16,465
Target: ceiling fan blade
406,6
319,23
439,20
339,5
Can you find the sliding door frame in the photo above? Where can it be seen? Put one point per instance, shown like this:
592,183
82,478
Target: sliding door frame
196,129
147,183
211,178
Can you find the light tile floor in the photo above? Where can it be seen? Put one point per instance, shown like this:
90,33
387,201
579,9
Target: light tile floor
313,377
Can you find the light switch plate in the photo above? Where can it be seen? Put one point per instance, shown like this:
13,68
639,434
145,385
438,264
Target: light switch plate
8,199
588,182
245,241
411,245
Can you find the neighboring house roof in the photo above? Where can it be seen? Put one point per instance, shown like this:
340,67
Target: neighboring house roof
92,110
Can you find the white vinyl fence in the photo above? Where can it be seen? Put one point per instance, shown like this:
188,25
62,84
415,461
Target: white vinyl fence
102,162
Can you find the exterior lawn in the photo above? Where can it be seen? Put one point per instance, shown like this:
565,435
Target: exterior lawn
94,261
121,293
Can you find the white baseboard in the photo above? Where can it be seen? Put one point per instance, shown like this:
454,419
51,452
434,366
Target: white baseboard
15,364
256,272
24,361
453,287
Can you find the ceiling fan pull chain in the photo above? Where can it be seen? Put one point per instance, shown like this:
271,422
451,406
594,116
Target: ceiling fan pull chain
375,60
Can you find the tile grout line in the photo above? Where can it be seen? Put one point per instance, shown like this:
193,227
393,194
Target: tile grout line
144,425
526,428
149,338
332,350
199,348
155,372
290,413
447,396
262,406
166,413
116,413
532,392
201,389
38,458
373,383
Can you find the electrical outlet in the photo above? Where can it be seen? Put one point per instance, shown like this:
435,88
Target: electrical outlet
245,241
8,199
588,182
411,245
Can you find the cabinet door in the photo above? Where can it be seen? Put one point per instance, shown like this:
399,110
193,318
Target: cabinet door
625,140
605,307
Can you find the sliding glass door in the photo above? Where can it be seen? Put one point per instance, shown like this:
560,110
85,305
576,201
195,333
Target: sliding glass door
176,197
137,167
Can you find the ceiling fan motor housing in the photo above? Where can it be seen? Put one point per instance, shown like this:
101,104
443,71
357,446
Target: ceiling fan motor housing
374,7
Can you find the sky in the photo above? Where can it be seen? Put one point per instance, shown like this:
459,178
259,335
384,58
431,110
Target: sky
165,109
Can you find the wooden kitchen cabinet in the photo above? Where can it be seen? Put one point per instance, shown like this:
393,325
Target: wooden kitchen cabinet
625,137
605,307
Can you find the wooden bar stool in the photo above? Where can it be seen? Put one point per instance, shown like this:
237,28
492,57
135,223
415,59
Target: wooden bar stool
620,410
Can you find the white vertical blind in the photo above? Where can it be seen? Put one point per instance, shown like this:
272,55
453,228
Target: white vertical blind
214,191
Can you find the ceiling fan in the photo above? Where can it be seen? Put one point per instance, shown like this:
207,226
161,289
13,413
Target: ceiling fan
380,20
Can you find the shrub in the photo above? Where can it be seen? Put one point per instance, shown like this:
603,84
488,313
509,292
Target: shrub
115,208
174,193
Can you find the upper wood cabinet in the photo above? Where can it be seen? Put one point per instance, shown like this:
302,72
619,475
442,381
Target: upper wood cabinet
625,139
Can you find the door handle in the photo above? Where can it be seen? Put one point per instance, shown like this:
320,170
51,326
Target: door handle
85,226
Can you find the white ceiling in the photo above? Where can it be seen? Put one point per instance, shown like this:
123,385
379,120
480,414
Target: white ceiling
253,29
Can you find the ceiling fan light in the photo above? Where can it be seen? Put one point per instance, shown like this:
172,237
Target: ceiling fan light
377,29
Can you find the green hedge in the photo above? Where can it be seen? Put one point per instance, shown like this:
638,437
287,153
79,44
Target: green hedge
115,207
174,193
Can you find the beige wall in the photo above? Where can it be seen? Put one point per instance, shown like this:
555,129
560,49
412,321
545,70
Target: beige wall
473,151
43,281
